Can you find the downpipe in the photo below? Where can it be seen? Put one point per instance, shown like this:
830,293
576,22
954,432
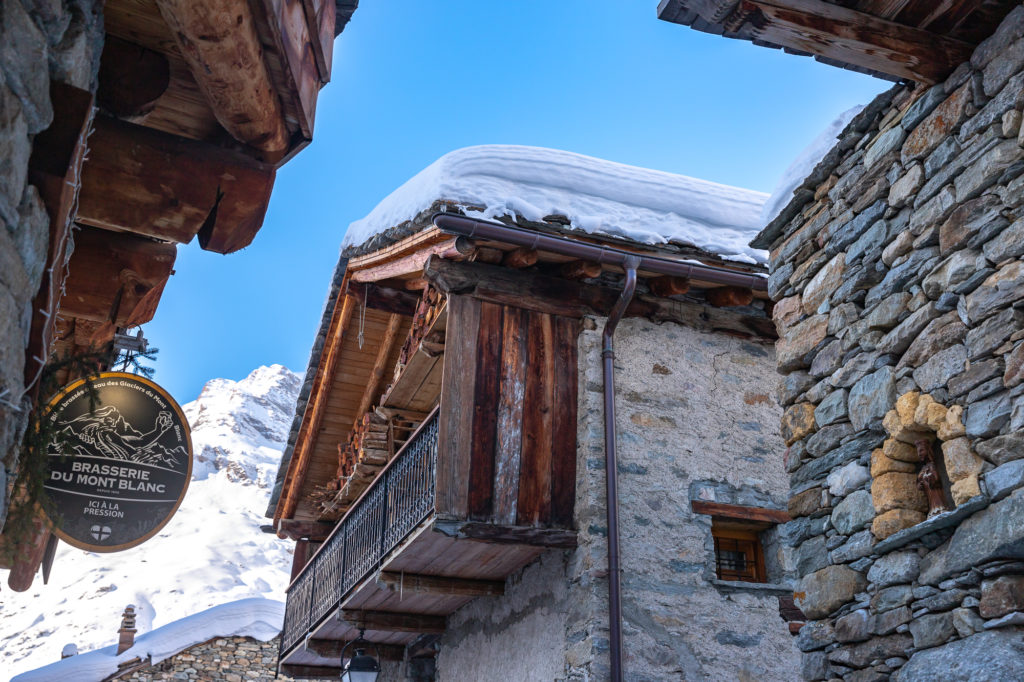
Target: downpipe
631,263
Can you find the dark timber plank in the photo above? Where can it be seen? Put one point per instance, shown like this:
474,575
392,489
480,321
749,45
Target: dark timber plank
455,420
563,430
484,408
389,621
733,511
414,583
535,468
510,416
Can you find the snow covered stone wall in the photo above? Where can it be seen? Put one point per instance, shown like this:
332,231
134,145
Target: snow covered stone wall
39,42
898,268
695,423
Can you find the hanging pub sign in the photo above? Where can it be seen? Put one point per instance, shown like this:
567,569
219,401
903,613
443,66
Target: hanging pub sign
119,468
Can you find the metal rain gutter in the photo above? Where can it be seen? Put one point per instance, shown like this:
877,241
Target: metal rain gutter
630,262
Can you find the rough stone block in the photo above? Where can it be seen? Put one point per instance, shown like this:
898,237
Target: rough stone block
824,591
792,350
986,417
953,425
953,273
960,460
937,126
939,334
848,478
967,220
938,369
853,513
996,532
895,520
932,629
966,621
994,655
853,627
993,332
823,284
23,60
1007,244
806,503
1002,449
859,545
891,597
1014,373
929,414
786,312
861,655
908,184
814,636
1004,479
871,397
797,422
984,172
881,464
894,569
965,489
901,451
832,409
899,339
1002,289
1001,596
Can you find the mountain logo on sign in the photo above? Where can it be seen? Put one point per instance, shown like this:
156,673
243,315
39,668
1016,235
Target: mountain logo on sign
106,433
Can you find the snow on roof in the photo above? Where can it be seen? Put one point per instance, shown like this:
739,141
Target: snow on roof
599,197
257,618
804,163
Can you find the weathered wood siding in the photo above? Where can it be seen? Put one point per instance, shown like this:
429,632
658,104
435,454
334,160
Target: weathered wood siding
508,415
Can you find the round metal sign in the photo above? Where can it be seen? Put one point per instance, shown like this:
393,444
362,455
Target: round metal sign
117,473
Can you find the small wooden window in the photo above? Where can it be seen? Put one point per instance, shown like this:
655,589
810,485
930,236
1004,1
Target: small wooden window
738,553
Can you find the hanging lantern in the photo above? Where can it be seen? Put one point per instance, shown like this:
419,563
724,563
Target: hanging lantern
361,667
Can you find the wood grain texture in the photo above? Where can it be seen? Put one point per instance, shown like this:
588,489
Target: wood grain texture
169,188
534,506
563,430
512,394
219,41
456,417
485,413
733,511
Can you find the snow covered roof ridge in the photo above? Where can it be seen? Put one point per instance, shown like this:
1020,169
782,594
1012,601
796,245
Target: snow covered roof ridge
257,618
597,196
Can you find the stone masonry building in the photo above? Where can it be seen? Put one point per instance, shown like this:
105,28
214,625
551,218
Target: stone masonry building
898,270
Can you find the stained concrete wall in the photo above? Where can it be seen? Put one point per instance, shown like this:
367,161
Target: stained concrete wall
40,41
695,422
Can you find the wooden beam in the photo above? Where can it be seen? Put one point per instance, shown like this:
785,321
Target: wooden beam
509,535
410,264
846,35
304,530
28,555
581,269
55,165
391,300
163,186
728,297
315,408
545,294
333,648
733,511
669,286
219,42
116,277
521,258
413,583
132,78
380,365
389,621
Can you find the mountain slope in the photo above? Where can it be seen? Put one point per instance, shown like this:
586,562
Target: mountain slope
211,552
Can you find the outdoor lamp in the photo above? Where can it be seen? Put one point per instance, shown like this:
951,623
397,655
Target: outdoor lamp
361,666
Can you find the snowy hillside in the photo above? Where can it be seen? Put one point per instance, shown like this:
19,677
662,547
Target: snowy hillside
210,553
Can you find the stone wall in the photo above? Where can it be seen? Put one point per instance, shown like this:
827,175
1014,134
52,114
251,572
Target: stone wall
899,280
694,415
232,659
40,40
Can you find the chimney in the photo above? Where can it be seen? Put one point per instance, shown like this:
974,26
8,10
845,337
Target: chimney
126,635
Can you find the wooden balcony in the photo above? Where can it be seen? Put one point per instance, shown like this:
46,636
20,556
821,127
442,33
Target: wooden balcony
396,567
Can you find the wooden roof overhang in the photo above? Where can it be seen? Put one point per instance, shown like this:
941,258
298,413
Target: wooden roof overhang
914,40
342,373
197,105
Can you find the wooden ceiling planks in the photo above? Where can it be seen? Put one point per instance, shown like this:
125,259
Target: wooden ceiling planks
918,40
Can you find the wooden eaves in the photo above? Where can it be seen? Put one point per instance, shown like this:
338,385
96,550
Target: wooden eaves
914,41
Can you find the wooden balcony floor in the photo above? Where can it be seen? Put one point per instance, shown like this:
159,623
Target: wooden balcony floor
426,552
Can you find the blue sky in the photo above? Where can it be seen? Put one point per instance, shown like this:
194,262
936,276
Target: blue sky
413,80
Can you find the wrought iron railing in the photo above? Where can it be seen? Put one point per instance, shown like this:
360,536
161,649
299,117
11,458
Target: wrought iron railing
400,498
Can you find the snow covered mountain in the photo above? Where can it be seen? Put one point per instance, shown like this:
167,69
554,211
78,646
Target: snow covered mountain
210,553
